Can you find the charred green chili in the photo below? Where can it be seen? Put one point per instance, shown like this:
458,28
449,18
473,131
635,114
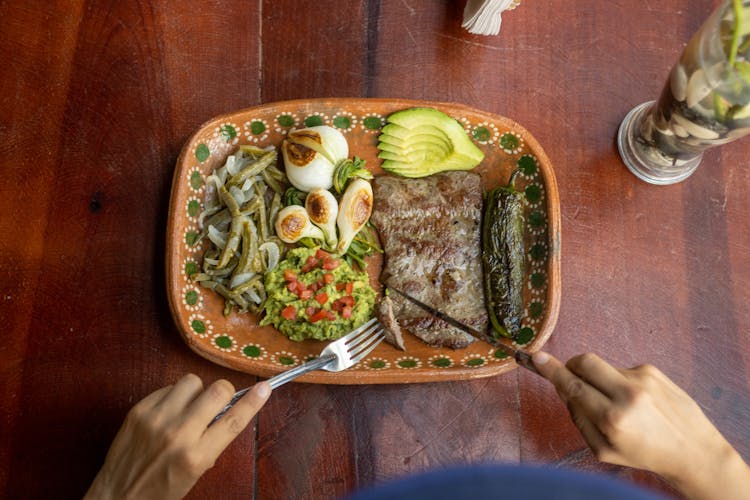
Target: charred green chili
503,259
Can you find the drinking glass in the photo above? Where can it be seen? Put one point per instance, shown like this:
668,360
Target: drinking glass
705,102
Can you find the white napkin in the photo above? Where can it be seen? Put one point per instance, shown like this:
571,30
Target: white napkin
482,17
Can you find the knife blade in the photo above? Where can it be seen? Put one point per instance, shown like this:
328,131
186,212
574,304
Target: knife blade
522,357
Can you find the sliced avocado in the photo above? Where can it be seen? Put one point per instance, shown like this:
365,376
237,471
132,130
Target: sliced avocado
422,141
409,170
393,130
424,168
384,146
414,117
412,156
437,146
406,169
405,134
395,141
390,139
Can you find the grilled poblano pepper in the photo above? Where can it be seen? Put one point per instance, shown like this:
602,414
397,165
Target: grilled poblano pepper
503,259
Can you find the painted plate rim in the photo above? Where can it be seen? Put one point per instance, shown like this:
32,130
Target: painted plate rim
387,375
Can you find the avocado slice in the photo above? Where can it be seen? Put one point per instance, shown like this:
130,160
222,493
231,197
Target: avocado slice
422,141
423,168
412,156
405,134
443,148
416,138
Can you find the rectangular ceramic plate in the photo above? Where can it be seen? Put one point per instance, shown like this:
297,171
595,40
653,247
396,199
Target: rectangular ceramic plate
238,342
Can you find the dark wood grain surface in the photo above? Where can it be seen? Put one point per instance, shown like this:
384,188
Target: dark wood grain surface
96,100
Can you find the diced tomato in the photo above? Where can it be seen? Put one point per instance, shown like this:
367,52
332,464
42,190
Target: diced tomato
329,263
290,275
346,312
306,294
321,254
321,298
347,300
310,264
319,315
289,313
328,278
340,286
349,288
339,304
297,288
310,311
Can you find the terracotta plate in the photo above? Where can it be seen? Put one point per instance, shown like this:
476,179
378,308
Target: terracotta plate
237,342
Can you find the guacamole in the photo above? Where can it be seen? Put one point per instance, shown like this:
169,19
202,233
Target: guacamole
315,295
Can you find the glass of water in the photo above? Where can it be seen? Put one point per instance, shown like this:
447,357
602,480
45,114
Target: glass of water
705,102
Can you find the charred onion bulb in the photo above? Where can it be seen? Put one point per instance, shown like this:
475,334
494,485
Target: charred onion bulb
311,155
293,223
322,208
354,212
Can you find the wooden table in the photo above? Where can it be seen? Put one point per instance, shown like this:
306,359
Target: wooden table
96,100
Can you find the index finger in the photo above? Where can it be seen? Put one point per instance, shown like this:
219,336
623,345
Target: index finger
585,403
569,386
598,373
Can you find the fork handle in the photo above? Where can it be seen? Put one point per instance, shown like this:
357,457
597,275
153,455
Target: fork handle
280,379
289,375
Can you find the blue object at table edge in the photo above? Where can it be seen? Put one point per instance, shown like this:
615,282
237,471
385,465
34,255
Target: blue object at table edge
506,482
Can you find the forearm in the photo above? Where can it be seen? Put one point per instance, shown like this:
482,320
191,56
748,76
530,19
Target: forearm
97,491
724,475
639,418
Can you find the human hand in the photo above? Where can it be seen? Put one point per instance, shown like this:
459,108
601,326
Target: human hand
639,418
164,445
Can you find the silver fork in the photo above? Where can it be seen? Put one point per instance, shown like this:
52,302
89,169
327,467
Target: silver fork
339,355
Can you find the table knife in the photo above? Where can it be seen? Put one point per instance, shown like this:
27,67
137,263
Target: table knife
522,357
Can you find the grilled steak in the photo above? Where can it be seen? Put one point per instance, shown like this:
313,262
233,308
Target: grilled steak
387,318
430,230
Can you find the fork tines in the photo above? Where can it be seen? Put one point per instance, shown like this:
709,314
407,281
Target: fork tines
368,336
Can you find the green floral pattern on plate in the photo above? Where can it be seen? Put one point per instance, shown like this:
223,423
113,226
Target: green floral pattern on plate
211,148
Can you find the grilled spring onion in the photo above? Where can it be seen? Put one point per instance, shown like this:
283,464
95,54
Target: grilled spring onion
365,243
294,196
348,169
503,259
355,209
322,208
311,154
293,223
244,197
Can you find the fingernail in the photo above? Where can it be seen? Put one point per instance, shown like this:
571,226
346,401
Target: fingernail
540,357
263,389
